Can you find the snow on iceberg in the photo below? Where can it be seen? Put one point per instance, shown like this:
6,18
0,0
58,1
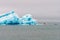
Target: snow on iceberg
12,18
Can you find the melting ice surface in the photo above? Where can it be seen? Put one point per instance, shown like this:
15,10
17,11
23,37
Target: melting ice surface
12,18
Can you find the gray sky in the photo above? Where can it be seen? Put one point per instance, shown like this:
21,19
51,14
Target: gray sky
38,8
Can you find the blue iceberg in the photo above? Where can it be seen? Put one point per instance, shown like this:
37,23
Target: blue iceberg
11,18
27,19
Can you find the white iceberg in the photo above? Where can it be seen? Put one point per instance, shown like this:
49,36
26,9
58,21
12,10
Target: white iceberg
12,18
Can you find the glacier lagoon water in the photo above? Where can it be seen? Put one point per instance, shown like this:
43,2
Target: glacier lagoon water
12,18
30,32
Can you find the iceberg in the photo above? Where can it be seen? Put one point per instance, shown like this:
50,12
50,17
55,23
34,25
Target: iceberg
27,19
11,18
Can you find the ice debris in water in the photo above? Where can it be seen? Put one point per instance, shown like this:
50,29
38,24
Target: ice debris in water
12,18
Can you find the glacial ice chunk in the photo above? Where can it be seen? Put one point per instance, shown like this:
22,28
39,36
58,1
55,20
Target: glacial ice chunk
12,18
9,18
27,19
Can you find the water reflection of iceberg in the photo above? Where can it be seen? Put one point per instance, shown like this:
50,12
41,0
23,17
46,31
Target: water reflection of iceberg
12,18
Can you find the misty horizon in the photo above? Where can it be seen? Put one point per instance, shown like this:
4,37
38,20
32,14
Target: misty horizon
40,9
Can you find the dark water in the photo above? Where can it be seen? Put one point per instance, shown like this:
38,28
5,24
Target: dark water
37,32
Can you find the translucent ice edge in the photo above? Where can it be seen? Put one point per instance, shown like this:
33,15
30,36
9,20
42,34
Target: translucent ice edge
11,18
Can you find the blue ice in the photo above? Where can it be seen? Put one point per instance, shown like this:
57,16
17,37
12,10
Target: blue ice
11,18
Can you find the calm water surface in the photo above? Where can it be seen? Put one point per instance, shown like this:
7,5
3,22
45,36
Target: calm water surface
38,32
